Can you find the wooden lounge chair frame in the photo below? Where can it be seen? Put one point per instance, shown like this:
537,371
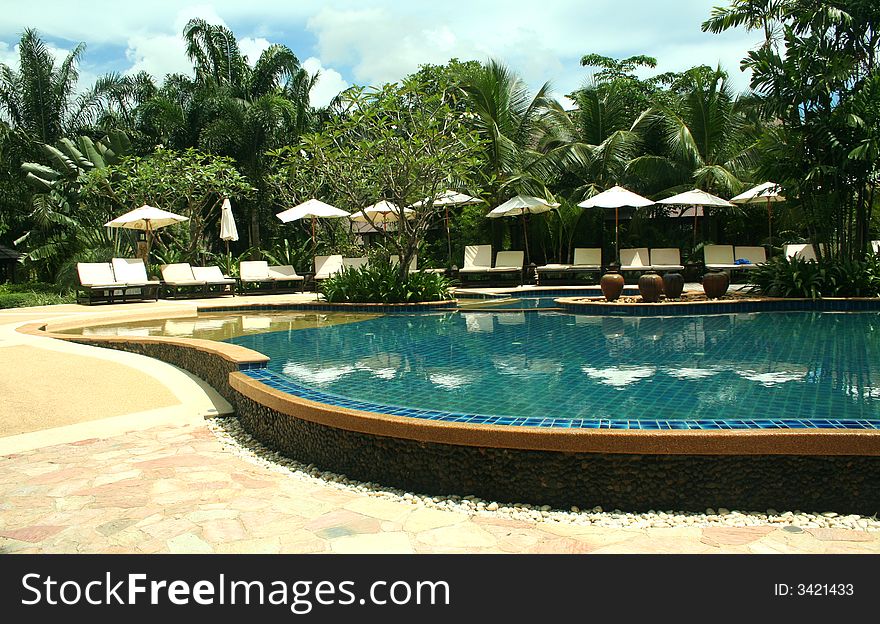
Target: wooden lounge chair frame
99,284
179,282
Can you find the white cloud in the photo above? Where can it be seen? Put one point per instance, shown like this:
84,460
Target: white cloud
157,55
375,41
330,82
252,48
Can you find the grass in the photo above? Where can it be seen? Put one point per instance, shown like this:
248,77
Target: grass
33,294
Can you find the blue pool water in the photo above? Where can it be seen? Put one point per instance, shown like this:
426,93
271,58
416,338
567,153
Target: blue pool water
743,370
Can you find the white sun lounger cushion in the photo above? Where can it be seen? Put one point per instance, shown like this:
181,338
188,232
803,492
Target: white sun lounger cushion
755,255
587,257
284,273
325,266
636,259
719,257
477,258
666,259
179,274
507,261
211,274
254,271
131,271
96,274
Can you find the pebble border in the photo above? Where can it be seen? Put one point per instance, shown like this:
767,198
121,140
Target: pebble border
234,438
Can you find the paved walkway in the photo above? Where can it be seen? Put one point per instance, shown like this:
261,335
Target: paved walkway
130,474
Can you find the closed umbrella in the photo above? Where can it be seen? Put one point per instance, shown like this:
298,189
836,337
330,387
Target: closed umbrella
228,231
522,205
698,199
616,197
147,218
446,199
313,209
767,192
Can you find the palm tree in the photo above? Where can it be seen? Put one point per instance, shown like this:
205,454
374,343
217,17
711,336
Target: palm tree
40,101
518,128
521,132
707,142
243,111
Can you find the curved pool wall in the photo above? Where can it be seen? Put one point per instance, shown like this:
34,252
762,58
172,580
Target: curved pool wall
806,469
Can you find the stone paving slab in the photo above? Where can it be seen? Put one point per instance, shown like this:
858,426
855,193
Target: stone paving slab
195,496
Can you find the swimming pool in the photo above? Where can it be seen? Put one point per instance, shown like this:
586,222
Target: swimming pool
763,370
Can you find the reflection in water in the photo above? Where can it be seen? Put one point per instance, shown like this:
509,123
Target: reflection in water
619,376
223,325
743,366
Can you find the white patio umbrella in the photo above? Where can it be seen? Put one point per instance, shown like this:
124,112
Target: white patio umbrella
446,199
382,212
767,192
228,231
616,197
313,209
521,205
147,218
698,199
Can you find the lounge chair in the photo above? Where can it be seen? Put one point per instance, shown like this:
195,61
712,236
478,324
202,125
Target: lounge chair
413,265
133,273
803,251
636,259
97,283
666,259
178,280
586,260
509,263
755,256
719,257
285,278
215,282
395,260
327,266
354,263
253,275
477,261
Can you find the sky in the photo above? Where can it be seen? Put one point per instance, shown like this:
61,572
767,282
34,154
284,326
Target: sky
370,42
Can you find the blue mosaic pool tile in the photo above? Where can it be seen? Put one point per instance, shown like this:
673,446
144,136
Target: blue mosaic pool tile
665,393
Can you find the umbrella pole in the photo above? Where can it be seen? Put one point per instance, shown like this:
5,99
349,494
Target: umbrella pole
448,239
314,240
149,241
525,237
616,236
695,227
769,227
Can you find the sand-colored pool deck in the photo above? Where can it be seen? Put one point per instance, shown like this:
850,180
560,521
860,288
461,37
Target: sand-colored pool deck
103,451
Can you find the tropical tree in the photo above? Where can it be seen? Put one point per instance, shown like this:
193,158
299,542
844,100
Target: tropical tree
705,139
40,101
396,143
59,227
190,183
816,76
515,127
236,109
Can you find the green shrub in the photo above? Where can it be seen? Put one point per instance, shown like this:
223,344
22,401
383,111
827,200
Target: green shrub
380,282
32,294
829,277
